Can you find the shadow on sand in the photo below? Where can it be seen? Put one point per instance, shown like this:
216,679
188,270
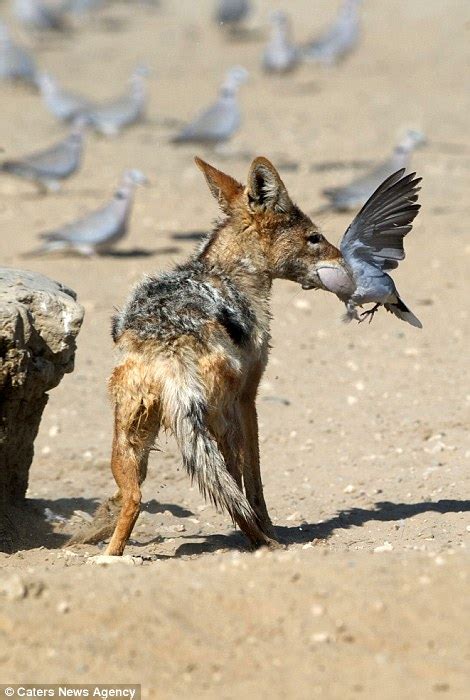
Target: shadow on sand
29,528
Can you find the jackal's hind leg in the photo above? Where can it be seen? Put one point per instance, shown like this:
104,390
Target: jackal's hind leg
251,467
131,446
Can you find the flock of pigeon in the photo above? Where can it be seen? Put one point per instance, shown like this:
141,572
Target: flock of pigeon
99,231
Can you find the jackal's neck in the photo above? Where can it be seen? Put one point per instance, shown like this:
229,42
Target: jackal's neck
240,256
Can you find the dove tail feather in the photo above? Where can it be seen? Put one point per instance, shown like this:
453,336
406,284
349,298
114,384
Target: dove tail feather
400,310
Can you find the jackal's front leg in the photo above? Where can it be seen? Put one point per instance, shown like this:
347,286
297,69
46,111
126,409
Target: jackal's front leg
251,467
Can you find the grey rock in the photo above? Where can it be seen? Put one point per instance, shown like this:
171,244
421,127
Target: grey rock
39,322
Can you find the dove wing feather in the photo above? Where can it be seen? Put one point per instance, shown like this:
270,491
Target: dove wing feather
376,234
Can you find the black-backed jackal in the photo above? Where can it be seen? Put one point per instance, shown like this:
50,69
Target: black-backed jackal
194,344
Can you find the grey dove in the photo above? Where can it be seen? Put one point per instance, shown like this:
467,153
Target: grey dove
82,7
231,12
280,55
111,117
100,230
40,15
354,194
372,245
222,119
16,63
48,167
63,104
340,39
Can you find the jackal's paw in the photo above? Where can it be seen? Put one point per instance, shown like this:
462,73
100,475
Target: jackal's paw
271,543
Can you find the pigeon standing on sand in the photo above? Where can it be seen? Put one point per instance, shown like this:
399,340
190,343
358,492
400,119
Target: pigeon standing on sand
280,55
231,12
99,231
354,194
15,61
83,7
221,120
48,167
111,117
64,105
373,244
340,39
40,15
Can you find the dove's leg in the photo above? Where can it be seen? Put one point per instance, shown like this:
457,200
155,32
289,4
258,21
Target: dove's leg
351,312
85,250
369,313
52,185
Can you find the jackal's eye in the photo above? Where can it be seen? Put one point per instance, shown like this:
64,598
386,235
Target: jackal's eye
315,238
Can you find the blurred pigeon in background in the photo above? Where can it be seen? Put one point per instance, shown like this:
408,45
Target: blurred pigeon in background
16,63
359,190
113,116
40,15
48,167
100,230
231,13
221,120
280,55
340,39
82,7
372,244
64,105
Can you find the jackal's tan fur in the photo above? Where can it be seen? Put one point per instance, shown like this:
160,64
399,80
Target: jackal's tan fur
194,346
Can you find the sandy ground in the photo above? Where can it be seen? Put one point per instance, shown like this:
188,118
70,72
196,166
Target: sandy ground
364,429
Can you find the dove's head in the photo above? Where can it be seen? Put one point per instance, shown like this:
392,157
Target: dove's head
412,139
134,177
47,84
139,76
264,231
278,17
80,124
235,77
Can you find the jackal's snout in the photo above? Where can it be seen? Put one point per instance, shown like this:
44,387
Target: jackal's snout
267,227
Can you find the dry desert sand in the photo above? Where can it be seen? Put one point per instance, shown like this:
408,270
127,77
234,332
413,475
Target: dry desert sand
364,429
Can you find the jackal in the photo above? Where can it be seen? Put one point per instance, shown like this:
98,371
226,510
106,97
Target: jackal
194,344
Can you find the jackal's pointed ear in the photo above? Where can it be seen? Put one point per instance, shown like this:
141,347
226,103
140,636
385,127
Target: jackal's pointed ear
265,187
223,187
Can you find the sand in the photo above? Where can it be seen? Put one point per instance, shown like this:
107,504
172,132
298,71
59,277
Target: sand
364,429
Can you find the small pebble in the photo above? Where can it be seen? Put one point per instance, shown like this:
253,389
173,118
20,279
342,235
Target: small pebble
13,587
385,547
106,559
317,610
320,637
